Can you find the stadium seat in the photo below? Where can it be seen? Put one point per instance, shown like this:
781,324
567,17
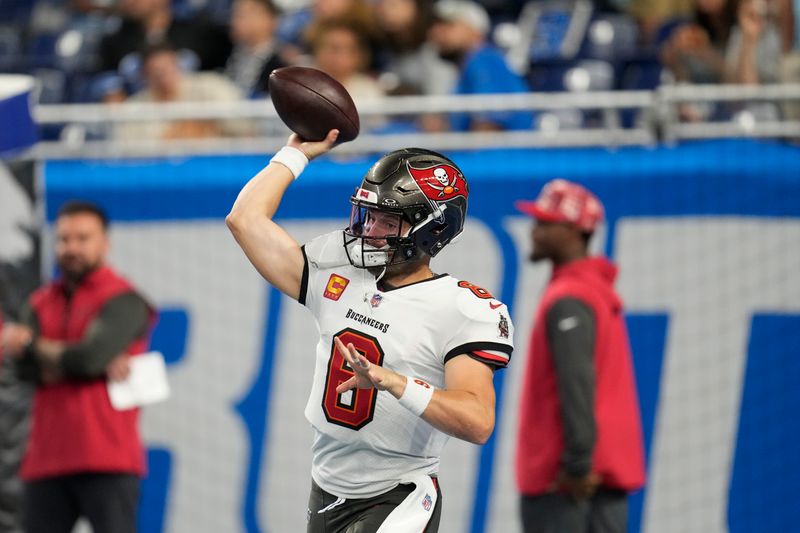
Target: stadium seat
548,76
573,76
52,84
16,12
641,73
41,50
550,30
611,37
9,48
81,53
590,75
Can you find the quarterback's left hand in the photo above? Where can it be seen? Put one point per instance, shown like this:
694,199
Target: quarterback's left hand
366,374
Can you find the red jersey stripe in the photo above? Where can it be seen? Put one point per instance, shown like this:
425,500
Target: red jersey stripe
490,356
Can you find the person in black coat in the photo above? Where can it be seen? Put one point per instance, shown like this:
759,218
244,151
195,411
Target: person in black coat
253,25
145,22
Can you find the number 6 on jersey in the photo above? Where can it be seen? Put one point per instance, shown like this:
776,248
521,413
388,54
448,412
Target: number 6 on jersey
352,409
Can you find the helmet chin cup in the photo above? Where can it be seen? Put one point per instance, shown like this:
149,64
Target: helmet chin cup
363,255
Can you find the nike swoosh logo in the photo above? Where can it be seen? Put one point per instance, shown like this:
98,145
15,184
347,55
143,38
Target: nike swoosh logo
495,306
568,323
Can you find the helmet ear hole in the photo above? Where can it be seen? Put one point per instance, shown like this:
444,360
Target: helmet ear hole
438,229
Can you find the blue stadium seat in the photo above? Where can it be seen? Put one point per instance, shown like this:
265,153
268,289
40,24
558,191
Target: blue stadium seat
41,50
549,34
611,37
9,48
52,85
550,30
559,28
82,54
16,12
548,76
641,73
590,75
574,76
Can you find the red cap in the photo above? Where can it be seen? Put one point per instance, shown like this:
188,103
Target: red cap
564,201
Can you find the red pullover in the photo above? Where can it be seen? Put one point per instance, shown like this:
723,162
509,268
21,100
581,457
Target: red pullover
618,455
74,428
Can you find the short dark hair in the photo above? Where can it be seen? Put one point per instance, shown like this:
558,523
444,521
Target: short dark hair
74,207
157,47
587,236
268,5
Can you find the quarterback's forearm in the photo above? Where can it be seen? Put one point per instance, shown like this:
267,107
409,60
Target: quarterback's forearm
456,412
260,197
460,414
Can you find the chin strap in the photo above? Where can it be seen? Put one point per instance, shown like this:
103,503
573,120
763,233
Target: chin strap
380,276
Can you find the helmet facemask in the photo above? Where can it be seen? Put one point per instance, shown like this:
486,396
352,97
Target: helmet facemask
377,237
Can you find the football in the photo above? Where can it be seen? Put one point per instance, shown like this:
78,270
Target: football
311,103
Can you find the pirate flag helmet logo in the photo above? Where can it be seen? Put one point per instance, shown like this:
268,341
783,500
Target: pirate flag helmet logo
439,183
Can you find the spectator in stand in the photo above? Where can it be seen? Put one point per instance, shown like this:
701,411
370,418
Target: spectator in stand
341,48
753,54
165,82
84,458
781,14
145,22
410,63
254,57
694,50
790,65
652,15
296,29
460,35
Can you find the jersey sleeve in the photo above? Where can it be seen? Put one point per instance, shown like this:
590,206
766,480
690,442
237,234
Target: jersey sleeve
485,331
320,254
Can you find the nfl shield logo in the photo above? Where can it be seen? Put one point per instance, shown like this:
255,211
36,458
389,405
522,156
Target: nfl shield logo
376,300
427,502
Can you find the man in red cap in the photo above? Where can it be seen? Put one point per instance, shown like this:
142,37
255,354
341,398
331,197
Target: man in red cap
579,449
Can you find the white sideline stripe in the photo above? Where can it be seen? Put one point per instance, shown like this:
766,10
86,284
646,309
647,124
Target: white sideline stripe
410,516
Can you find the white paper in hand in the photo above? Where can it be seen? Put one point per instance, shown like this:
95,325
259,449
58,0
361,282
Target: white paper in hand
147,383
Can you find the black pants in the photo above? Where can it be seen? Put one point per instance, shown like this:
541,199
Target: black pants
605,512
362,515
107,501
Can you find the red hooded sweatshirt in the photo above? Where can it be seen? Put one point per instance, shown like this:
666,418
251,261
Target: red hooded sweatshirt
618,455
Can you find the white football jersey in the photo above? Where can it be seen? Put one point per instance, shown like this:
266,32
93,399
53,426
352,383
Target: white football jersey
365,442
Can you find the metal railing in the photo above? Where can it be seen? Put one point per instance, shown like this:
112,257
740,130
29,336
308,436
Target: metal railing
651,116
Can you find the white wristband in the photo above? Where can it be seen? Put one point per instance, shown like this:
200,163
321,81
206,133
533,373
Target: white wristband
417,395
292,158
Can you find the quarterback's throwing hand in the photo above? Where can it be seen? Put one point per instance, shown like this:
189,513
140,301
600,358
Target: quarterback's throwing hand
367,375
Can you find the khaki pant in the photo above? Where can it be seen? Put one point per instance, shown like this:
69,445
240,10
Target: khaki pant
790,73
